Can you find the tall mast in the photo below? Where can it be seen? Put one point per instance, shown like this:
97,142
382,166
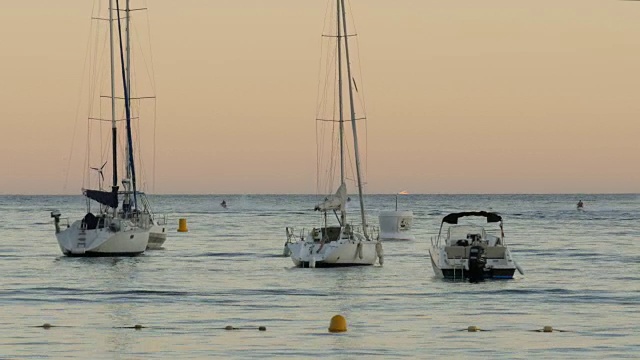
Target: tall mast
113,103
353,121
127,30
127,111
343,212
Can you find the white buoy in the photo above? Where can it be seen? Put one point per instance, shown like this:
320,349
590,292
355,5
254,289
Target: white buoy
395,225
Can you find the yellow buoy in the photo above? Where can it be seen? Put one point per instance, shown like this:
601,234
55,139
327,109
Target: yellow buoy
547,329
473,328
338,324
182,225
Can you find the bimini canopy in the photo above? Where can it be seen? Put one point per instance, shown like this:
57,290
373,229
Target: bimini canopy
109,198
453,218
335,201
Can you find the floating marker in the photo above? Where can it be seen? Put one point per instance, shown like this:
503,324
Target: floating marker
138,326
262,328
229,327
338,324
549,329
473,328
46,326
182,225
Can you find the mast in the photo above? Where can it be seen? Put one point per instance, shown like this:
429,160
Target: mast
353,121
127,110
114,134
343,212
127,28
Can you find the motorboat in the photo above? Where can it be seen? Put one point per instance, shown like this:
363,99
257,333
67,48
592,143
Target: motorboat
470,251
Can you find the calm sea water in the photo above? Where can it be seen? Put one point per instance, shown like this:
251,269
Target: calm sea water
582,275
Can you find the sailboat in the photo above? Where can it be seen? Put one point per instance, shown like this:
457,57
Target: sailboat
109,232
341,243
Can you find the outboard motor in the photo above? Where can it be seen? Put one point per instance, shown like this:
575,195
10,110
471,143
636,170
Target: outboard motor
55,214
477,262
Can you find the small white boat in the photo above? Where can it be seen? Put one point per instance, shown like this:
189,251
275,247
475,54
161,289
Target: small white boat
469,251
101,236
396,225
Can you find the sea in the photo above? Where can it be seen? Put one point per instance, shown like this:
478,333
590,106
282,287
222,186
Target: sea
581,277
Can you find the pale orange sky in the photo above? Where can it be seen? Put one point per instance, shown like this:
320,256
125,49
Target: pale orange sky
463,96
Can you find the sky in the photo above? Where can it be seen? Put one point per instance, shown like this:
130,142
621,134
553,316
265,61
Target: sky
462,96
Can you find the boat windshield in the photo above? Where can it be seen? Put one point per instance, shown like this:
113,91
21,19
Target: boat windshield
461,232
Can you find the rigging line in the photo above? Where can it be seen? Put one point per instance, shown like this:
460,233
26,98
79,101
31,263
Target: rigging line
144,60
155,102
93,76
153,71
77,117
361,94
322,99
328,8
320,106
97,84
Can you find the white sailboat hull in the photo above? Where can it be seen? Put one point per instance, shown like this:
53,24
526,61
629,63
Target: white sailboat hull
129,241
334,254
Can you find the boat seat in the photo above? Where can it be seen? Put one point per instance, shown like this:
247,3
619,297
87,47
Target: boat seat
494,252
456,251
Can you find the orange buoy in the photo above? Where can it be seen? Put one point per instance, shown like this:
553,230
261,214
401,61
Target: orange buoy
338,324
182,225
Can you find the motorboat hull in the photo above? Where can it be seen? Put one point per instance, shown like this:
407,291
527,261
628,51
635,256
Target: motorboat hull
76,241
458,269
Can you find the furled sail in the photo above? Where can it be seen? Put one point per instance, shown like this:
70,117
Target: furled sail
335,201
109,198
